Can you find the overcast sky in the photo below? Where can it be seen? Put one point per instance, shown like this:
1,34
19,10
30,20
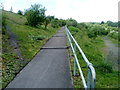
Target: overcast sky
81,10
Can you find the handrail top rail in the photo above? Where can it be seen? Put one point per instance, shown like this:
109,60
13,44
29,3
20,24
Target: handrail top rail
83,55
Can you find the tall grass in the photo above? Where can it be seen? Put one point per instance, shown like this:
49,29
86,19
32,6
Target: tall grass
93,49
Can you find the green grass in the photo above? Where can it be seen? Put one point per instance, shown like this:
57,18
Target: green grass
30,40
93,49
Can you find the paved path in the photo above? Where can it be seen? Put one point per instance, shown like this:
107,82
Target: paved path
49,68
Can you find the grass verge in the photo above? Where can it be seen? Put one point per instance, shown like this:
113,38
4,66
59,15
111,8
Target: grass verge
93,49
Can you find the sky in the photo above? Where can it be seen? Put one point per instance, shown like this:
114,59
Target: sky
80,10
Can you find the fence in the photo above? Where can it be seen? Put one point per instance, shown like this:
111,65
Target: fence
91,70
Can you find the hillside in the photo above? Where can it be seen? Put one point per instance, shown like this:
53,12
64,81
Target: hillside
94,49
20,44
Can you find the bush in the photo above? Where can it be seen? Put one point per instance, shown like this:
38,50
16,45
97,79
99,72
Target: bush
20,12
3,21
62,22
55,23
114,35
96,30
35,15
71,22
82,26
39,37
105,67
73,29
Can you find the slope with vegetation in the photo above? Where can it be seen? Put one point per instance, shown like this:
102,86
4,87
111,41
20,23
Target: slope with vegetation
28,37
34,28
89,37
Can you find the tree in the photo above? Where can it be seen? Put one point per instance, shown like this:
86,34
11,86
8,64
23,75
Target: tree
35,15
112,24
11,9
71,22
55,23
102,22
47,21
82,26
118,24
96,30
20,12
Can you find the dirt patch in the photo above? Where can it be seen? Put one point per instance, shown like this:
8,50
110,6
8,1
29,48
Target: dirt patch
14,43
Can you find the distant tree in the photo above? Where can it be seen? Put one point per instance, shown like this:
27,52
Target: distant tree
71,22
118,24
62,22
20,12
102,22
82,26
35,15
96,30
3,21
55,23
47,21
112,24
11,9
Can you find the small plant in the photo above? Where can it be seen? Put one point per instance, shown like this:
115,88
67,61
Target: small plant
39,37
105,67
74,29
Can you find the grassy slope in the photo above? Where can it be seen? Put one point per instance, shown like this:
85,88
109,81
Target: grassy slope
28,42
93,50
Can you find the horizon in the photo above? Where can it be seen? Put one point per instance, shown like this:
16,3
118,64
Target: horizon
90,10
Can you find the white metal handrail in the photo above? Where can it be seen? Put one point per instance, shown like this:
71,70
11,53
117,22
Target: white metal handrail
91,70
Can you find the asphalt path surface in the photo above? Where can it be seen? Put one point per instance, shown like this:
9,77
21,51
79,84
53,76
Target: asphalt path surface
49,68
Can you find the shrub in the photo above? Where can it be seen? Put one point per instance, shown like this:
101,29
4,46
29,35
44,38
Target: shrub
82,26
104,67
35,15
71,22
114,35
39,37
73,29
96,30
54,23
20,12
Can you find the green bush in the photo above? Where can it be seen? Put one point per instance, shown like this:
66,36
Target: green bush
35,15
114,35
71,22
74,29
82,26
55,23
104,67
39,37
94,31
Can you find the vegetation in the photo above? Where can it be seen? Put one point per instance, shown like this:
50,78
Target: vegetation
112,24
35,15
20,12
71,22
96,30
30,40
34,28
93,49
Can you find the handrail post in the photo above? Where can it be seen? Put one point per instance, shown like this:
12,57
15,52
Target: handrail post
91,71
75,60
70,47
89,78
